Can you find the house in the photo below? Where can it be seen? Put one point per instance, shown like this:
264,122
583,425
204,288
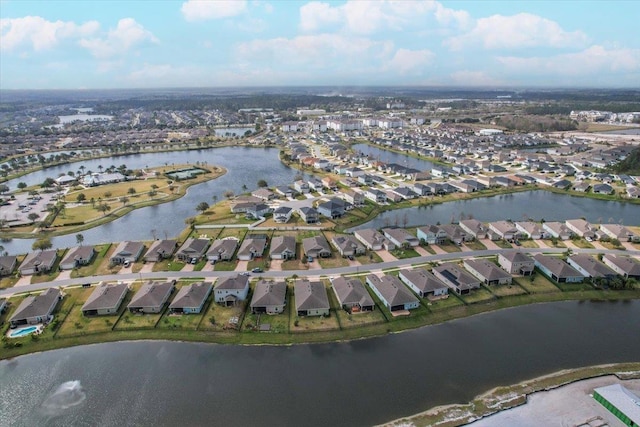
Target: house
393,294
127,252
531,229
192,250
38,262
105,299
283,247
151,297
257,210
590,267
356,198
405,193
581,227
263,194
77,257
557,229
252,247
222,249
602,189
515,262
504,229
190,299
557,269
230,290
352,295
487,272
456,234
625,266
282,214
36,309
333,208
432,234
474,228
311,298
373,239
620,232
308,214
423,283
400,237
301,186
7,264
348,246
456,278
160,249
316,247
329,183
269,297
375,195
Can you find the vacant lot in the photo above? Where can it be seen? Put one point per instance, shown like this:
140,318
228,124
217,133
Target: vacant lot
217,317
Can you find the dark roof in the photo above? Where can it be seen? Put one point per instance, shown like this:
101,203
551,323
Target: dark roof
105,296
557,266
351,291
152,294
37,306
310,295
79,252
422,279
191,296
392,289
269,293
488,270
161,247
34,259
7,263
194,246
223,246
232,283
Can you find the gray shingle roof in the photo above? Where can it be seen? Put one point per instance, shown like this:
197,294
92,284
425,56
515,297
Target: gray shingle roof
392,289
191,296
487,269
152,294
233,283
269,294
37,306
351,291
310,295
422,279
105,296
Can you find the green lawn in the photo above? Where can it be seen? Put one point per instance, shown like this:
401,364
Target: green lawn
168,265
443,304
78,324
221,315
450,248
405,253
478,295
570,287
334,262
582,244
528,243
539,284
91,269
225,266
507,290
279,322
503,244
130,320
476,245
370,258
181,321
200,265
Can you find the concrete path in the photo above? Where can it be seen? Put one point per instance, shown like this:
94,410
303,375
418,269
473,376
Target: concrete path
147,268
208,267
188,267
242,266
276,265
65,274
422,251
386,256
23,281
489,244
438,250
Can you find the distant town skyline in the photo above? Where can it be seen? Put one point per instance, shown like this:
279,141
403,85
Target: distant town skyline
148,44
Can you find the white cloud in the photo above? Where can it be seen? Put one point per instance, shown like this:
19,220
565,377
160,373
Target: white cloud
127,34
407,61
204,10
474,78
592,61
40,34
369,16
517,31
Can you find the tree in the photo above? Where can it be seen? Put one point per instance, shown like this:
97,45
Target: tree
48,183
107,194
42,244
124,200
262,183
4,188
81,198
79,238
202,207
131,191
33,216
228,194
104,208
22,185
215,199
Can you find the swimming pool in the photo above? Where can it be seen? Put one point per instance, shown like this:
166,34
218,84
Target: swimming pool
22,332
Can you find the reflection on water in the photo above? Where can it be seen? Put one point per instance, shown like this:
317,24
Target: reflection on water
66,396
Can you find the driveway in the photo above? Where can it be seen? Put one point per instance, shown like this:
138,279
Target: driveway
147,268
386,255
208,267
489,244
24,280
276,265
188,267
422,251
242,266
64,274
437,249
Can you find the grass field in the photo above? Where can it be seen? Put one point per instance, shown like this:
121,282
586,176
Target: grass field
221,316
450,248
404,253
582,244
90,270
475,245
477,295
507,290
78,324
443,303
539,284
334,262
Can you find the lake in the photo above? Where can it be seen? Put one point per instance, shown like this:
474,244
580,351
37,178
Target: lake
356,383
393,157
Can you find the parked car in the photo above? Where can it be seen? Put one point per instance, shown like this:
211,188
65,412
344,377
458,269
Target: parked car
257,270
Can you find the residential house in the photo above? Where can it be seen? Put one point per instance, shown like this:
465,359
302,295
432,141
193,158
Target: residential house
352,295
333,208
456,234
329,183
252,247
36,309
301,186
315,184
356,198
77,257
127,252
400,237
515,262
590,267
487,272
316,247
151,297
160,249
7,264
105,299
283,247
581,227
269,297
617,231
531,229
38,262
557,229
263,194
311,298
505,229
282,214
229,290
456,278
602,189
257,210
473,227
557,269
375,195
190,299
192,250
625,266
373,239
393,294
405,193
348,246
222,249
423,283
421,189
308,214
432,234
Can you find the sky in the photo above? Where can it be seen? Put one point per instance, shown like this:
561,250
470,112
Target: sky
102,44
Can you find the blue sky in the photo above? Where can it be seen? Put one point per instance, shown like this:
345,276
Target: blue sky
51,44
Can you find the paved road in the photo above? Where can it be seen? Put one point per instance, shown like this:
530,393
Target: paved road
400,263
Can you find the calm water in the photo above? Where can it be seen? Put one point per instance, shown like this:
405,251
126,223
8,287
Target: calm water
246,166
391,157
233,131
537,205
635,131
355,383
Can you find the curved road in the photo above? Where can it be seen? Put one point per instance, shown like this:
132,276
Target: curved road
400,263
